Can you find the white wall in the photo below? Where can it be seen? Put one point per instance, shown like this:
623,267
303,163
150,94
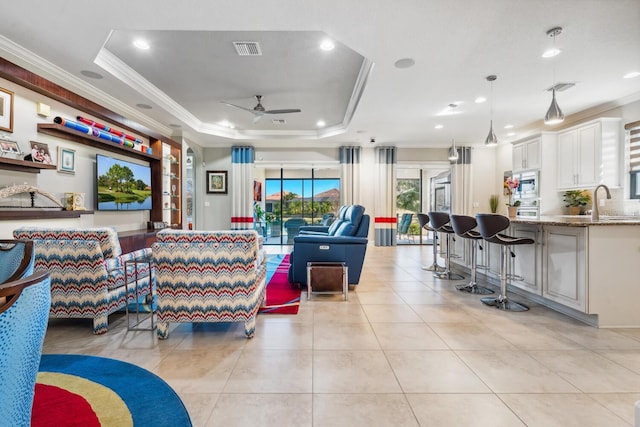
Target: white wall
216,208
486,175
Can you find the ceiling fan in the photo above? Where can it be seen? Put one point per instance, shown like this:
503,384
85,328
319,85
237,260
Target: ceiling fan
258,111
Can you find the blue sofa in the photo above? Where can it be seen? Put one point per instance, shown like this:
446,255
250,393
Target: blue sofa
344,241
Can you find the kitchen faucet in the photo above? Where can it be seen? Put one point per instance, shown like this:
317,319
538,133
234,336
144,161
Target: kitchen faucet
595,215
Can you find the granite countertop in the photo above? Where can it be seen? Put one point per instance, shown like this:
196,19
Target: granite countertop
578,220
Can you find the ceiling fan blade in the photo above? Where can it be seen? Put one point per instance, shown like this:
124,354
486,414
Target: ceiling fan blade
290,110
237,106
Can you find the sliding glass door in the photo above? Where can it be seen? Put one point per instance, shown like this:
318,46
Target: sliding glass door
419,188
297,198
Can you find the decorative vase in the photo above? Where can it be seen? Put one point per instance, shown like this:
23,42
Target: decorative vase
574,210
513,211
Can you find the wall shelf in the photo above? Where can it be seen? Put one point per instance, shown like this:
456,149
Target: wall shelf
23,165
30,213
93,141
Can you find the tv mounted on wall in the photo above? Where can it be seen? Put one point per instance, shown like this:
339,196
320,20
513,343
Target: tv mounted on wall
122,185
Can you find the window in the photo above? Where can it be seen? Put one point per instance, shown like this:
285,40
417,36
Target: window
294,202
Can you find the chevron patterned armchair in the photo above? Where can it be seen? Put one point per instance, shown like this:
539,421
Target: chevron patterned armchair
209,276
86,267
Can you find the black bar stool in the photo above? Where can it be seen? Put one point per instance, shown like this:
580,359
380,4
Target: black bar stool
490,226
423,220
463,226
440,222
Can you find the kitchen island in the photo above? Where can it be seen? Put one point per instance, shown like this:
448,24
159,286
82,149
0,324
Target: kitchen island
583,268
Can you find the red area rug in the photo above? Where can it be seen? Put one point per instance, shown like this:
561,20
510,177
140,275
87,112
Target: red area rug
282,296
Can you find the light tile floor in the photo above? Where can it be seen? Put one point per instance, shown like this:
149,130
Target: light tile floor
405,350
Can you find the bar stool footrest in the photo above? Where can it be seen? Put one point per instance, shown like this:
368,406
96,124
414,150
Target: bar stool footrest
447,275
502,303
474,289
433,267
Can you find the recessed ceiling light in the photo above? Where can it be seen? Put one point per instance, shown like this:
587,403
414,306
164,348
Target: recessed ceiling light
144,106
327,45
320,123
405,63
438,127
632,74
91,74
480,100
550,53
141,44
508,126
511,134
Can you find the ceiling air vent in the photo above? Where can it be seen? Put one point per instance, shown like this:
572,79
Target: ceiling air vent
247,48
559,87
279,121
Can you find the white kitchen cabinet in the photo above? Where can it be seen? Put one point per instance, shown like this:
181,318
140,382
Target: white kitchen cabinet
525,267
564,266
526,155
588,155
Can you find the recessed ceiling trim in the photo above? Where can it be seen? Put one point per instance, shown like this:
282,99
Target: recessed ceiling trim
113,65
116,67
358,90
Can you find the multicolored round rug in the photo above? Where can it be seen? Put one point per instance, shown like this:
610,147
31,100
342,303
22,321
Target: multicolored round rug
88,391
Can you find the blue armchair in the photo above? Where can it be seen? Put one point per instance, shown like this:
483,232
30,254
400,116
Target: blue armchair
292,225
347,244
24,312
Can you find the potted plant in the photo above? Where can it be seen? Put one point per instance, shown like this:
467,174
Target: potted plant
494,199
260,218
576,200
510,184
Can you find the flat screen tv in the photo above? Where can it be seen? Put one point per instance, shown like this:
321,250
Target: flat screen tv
122,185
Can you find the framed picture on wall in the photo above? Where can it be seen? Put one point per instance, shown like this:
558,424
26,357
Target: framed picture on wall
6,110
7,146
217,182
66,160
40,152
257,191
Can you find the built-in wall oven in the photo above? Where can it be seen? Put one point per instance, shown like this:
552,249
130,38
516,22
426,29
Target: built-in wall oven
528,193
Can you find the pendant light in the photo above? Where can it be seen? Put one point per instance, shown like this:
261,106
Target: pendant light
453,152
491,138
554,113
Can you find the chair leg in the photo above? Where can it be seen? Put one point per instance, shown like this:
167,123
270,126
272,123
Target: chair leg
434,267
250,327
502,302
472,287
100,324
163,330
447,274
